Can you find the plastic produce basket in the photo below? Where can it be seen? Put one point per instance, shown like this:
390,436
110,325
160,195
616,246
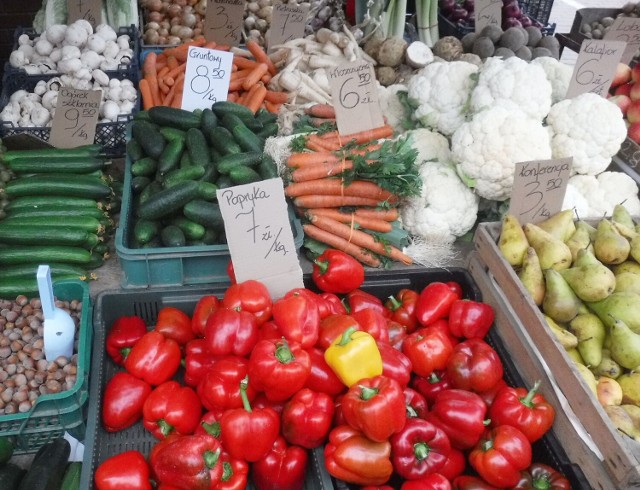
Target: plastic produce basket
537,9
448,27
54,414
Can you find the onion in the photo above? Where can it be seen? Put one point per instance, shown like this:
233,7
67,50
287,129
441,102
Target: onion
185,32
525,21
154,5
511,9
155,17
163,32
188,19
447,6
459,13
174,10
511,22
153,26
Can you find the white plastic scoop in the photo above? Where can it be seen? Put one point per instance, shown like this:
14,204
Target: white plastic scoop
59,328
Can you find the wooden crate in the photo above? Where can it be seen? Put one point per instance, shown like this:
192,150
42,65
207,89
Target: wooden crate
620,454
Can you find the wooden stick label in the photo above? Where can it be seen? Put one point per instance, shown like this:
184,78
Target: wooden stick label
487,12
626,29
223,21
75,119
206,78
89,10
595,67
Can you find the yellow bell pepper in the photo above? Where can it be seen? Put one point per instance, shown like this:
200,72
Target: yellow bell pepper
354,356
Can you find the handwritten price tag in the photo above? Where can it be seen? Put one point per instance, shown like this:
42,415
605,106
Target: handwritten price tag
259,235
223,21
355,97
595,67
626,29
538,189
287,22
206,78
75,119
89,10
488,12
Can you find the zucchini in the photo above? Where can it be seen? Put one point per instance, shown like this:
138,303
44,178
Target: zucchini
85,151
169,200
176,118
139,183
76,165
191,229
221,108
15,233
205,213
149,138
21,254
247,140
195,172
244,175
172,236
58,185
30,270
6,444
171,134
197,147
145,230
144,167
86,223
47,469
134,150
45,201
53,212
10,476
228,162
209,121
71,478
223,142
170,158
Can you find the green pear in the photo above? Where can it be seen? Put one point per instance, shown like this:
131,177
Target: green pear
607,367
575,356
588,377
512,242
566,338
624,306
622,421
610,246
625,231
560,302
634,248
637,227
628,281
589,278
627,266
630,384
581,238
560,225
609,391
532,277
590,332
621,216
625,345
634,413
552,253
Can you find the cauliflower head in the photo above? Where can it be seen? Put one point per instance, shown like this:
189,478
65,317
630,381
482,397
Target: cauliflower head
429,145
391,107
513,80
441,92
558,74
588,128
487,148
595,196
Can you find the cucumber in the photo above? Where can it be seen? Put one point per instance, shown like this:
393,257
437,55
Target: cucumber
139,183
244,175
171,134
170,158
45,201
191,229
58,185
222,140
176,118
20,254
47,469
96,260
169,200
215,154
211,236
76,165
71,478
142,116
15,233
10,476
145,167
194,172
145,230
207,191
269,129
185,160
30,270
221,108
209,121
210,174
56,212
266,117
267,167
86,223
101,248
224,181
153,188
52,153
247,140
205,213
229,162
6,444
155,243
172,236
197,147
149,138
134,150
230,121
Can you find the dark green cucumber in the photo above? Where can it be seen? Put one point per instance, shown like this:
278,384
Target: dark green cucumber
45,201
71,479
267,167
153,188
52,153
30,270
197,147
269,129
58,185
145,230
211,236
210,174
134,150
139,183
101,248
222,140
96,260
76,165
209,121
176,118
170,158
224,181
149,138
221,108
10,476
195,172
171,134
266,117
56,212
47,469
86,223
144,167
215,154
244,175
207,191
229,162
142,116
6,443
185,160
191,229
168,201
14,233
205,213
230,121
172,236
20,254
247,140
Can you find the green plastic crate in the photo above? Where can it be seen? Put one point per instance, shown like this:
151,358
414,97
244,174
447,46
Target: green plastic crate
52,415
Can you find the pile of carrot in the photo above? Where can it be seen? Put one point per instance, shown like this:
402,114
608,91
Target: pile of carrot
163,75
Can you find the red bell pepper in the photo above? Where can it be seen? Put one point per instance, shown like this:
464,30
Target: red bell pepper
204,307
528,411
171,408
235,473
490,395
249,433
461,415
210,424
474,366
376,487
124,397
174,324
466,482
334,304
324,308
443,325
197,361
500,455
434,303
375,406
283,468
269,331
321,376
541,476
125,470
231,273
307,418
278,368
434,481
154,358
352,457
231,332
155,449
373,323
123,335
298,319
218,388
338,417
358,300
191,461
337,272
395,364
419,449
397,334
470,319
250,296
261,401
429,386
428,350
456,288
332,327
415,404
403,308
454,465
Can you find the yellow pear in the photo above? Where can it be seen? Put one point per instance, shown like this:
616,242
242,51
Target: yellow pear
552,253
607,367
588,377
634,412
622,421
609,391
627,266
575,356
566,338
624,345
624,306
560,302
590,332
512,242
628,281
610,246
532,277
634,248
589,278
581,238
621,216
630,384
560,225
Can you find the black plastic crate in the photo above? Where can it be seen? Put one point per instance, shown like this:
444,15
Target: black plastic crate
537,9
447,27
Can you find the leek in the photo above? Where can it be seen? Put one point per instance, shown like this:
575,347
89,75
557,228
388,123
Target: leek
393,19
427,21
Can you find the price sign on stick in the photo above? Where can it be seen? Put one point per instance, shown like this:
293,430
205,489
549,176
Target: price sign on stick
206,77
223,21
259,235
355,97
487,12
89,10
538,189
595,67
75,119
287,22
626,29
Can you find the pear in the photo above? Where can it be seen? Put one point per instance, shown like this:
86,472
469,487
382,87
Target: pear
560,302
629,282
588,377
512,242
634,412
532,277
624,306
553,253
621,216
589,278
566,338
560,225
627,266
622,421
609,391
581,238
634,245
630,384
610,246
575,356
607,367
625,345
590,332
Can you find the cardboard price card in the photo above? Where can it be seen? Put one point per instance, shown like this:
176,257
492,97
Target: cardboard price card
626,29
206,78
287,22
487,12
259,235
538,190
89,10
75,119
595,67
355,97
223,21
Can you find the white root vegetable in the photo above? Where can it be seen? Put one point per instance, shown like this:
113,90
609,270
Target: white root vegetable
331,49
315,61
418,54
320,77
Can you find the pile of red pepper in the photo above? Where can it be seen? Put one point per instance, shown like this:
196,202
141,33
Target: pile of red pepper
404,390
